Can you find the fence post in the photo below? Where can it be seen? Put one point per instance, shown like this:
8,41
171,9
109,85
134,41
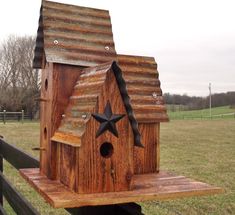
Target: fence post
4,116
1,169
22,116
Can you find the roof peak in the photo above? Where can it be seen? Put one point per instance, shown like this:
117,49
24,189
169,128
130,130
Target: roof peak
73,5
73,35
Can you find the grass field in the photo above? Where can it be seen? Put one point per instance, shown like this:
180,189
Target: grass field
224,112
201,149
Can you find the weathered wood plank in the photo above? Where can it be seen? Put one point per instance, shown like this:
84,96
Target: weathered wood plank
2,211
1,169
15,199
98,173
159,186
17,157
145,159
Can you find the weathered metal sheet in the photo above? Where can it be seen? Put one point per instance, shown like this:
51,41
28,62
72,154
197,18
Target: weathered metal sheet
143,87
73,35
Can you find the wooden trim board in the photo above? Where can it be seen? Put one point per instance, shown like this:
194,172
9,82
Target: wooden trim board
159,186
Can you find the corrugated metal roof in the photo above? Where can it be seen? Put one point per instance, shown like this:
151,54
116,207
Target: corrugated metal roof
73,35
143,87
84,100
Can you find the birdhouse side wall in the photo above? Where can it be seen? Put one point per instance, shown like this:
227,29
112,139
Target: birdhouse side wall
147,159
68,166
58,81
45,117
112,173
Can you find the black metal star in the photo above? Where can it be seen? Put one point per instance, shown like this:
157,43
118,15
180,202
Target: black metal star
107,120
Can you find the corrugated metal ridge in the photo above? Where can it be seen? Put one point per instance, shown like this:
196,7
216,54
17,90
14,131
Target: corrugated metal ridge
141,76
140,60
63,36
74,35
69,27
76,9
39,48
76,58
75,17
78,47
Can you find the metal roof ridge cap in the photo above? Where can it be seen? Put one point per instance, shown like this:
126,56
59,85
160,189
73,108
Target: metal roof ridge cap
126,100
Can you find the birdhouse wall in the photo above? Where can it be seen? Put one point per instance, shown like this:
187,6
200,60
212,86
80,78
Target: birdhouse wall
97,173
85,169
68,166
147,159
57,85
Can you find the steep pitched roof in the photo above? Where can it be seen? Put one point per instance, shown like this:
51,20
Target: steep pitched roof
84,100
73,35
143,87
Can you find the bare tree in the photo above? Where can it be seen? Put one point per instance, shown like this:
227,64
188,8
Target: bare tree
19,83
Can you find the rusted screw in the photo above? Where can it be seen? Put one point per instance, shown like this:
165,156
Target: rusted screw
106,48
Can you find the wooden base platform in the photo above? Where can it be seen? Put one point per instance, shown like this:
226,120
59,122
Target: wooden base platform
159,186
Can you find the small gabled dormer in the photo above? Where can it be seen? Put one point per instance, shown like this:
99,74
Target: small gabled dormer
100,130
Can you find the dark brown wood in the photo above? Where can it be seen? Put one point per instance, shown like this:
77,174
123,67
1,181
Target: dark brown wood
1,170
16,157
158,186
15,199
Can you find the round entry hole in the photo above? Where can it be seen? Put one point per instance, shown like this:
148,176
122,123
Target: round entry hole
106,150
46,84
45,133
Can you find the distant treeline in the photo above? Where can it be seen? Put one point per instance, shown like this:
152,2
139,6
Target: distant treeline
195,102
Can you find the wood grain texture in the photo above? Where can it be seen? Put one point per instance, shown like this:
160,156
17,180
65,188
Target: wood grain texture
99,174
68,166
45,116
57,87
159,186
146,160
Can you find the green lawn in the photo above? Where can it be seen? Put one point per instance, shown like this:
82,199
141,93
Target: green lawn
223,112
201,149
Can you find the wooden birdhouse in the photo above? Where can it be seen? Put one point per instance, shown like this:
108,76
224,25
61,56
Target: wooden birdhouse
100,116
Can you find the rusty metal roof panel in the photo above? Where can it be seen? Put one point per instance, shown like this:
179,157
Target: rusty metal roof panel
143,86
74,35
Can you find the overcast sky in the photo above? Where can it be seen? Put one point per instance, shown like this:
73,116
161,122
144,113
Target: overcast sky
193,41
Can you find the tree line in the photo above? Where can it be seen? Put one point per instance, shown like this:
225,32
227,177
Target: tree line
19,82
196,102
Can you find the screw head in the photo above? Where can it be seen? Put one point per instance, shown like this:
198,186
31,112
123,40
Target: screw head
84,116
154,95
106,48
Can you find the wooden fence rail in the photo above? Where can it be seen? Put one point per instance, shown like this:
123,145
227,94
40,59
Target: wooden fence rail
21,205
6,115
